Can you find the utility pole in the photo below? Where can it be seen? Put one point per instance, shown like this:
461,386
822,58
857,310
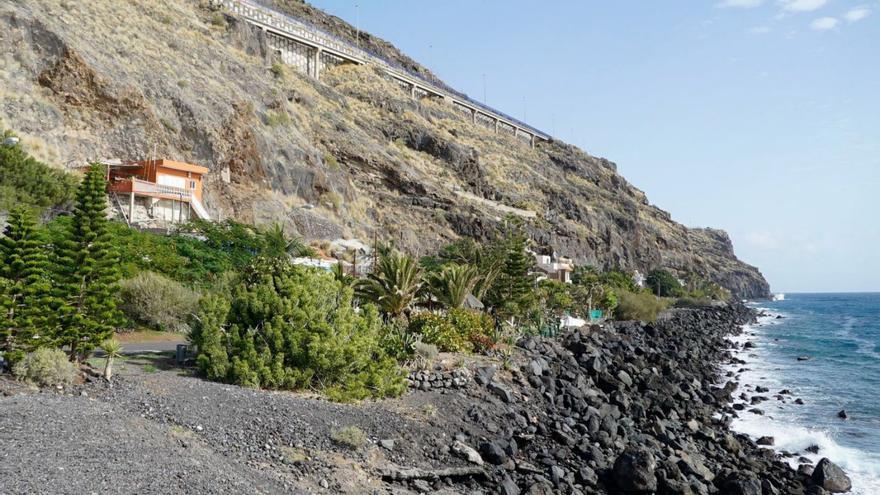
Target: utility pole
357,9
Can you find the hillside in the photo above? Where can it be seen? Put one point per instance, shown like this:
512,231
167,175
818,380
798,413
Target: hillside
350,156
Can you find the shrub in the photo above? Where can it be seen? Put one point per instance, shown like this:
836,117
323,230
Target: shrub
45,367
693,302
158,302
275,119
638,306
290,327
437,330
350,437
24,181
425,352
663,283
470,323
277,69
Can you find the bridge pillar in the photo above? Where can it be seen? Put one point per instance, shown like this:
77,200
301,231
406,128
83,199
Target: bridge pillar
532,141
412,91
316,63
496,126
473,116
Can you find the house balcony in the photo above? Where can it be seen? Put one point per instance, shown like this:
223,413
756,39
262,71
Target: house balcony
145,188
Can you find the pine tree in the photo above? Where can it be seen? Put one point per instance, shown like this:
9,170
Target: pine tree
28,307
88,264
512,293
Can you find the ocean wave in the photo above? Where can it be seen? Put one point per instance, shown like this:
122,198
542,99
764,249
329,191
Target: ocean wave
790,436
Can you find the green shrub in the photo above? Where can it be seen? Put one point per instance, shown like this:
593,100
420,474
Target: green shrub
277,69
435,329
275,119
45,367
158,302
693,302
638,306
290,327
350,437
663,283
471,323
24,181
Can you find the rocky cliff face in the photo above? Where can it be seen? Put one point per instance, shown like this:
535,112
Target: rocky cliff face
350,156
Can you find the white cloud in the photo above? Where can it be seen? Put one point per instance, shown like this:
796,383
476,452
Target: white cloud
802,5
856,14
739,4
824,23
760,30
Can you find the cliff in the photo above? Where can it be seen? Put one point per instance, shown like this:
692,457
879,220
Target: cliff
350,156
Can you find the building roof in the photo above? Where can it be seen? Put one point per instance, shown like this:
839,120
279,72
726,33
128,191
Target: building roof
185,167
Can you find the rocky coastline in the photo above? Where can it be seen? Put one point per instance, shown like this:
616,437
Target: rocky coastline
633,408
622,408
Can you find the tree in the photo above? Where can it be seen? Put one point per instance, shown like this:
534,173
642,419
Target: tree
29,309
393,285
112,350
488,260
663,283
24,181
512,293
87,263
276,244
452,284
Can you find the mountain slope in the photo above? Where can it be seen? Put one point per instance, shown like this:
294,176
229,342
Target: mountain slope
350,156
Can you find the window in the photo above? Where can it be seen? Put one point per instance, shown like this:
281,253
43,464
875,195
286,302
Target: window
192,184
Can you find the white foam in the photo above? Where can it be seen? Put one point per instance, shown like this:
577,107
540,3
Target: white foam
863,468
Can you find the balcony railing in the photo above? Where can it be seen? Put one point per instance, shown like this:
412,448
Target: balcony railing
146,188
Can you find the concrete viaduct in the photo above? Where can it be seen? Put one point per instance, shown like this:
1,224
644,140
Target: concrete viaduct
311,50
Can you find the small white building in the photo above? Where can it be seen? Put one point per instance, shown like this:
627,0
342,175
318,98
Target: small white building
638,278
554,268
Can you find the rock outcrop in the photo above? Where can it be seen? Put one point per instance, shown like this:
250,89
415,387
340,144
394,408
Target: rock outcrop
350,156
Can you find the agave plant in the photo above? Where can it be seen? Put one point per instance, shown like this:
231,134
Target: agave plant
393,285
451,285
112,350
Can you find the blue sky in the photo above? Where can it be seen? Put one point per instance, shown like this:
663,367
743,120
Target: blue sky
761,117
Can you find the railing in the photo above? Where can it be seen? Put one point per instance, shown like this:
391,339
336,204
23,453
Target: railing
304,30
139,186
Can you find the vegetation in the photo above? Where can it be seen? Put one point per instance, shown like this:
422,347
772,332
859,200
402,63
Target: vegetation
157,302
663,284
350,437
639,306
88,270
393,285
288,327
45,367
29,183
112,350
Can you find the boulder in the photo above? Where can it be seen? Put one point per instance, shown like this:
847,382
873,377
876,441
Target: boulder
742,484
831,477
467,453
766,441
842,414
634,471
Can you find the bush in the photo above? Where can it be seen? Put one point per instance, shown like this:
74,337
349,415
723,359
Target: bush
641,306
437,330
158,302
663,284
45,367
351,437
693,302
470,323
24,181
290,327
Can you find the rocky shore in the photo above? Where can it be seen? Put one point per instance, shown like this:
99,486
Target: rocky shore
619,409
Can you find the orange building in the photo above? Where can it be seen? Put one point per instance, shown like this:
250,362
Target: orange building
163,190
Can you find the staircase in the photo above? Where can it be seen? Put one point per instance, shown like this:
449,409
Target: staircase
199,209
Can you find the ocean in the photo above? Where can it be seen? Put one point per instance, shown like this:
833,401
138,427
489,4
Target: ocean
840,334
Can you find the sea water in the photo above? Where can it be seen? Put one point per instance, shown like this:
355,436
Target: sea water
839,335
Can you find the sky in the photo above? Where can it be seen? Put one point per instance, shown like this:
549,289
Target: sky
760,117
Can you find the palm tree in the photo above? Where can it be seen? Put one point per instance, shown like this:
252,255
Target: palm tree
276,244
393,285
451,285
112,350
487,259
